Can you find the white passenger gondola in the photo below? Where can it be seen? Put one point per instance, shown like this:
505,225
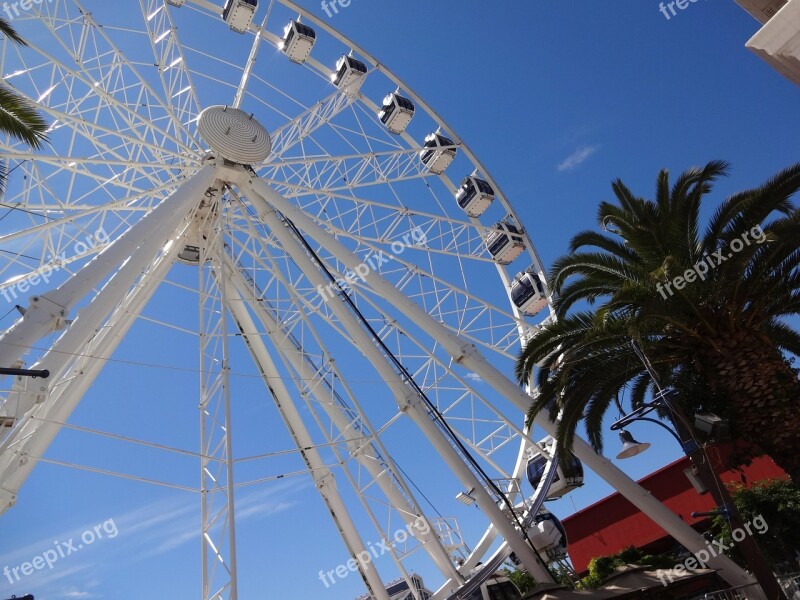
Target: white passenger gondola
549,536
505,242
396,112
176,3
438,153
567,478
298,41
349,74
475,195
498,587
239,14
528,293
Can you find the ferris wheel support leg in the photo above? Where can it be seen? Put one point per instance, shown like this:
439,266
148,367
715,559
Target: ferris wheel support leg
217,481
324,478
34,437
467,355
48,312
365,454
406,398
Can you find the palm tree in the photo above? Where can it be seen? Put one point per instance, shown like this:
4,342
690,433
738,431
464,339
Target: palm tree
18,117
709,309
709,312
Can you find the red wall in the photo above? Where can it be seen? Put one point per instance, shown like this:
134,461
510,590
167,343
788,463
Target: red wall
613,523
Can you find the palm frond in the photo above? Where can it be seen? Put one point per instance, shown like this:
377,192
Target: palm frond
19,118
11,33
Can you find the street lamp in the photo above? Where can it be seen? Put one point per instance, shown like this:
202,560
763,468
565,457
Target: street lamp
663,399
702,475
630,447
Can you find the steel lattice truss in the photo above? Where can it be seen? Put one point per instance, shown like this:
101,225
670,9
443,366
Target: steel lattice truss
125,187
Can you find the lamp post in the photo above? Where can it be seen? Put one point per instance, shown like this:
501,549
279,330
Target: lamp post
682,431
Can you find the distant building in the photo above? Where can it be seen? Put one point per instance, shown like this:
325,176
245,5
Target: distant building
778,41
613,523
399,590
763,10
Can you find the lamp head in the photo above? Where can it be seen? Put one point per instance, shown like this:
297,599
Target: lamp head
630,447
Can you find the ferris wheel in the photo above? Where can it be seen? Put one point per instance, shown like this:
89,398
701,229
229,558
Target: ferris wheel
325,223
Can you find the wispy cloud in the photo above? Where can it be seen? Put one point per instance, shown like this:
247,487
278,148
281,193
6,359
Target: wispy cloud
577,158
77,594
473,377
145,532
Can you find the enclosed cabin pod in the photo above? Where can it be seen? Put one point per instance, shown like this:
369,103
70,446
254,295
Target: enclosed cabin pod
528,293
505,242
567,478
475,195
349,74
176,3
498,587
298,40
239,14
396,112
549,536
438,153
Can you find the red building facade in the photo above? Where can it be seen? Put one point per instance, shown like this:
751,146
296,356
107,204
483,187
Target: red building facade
613,523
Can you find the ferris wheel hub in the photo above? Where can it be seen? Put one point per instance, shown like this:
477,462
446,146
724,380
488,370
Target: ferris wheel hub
234,135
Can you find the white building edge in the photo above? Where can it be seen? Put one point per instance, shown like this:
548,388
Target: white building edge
778,41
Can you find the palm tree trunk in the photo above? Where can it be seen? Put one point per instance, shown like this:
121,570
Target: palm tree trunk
764,391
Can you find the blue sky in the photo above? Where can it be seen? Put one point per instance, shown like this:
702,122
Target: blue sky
557,99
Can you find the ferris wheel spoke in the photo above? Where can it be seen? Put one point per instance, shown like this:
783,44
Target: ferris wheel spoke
43,250
68,162
464,313
110,64
375,224
324,114
286,137
79,168
347,172
96,134
100,215
140,131
176,79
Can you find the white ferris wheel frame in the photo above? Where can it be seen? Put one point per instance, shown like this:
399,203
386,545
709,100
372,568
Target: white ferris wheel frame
138,261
